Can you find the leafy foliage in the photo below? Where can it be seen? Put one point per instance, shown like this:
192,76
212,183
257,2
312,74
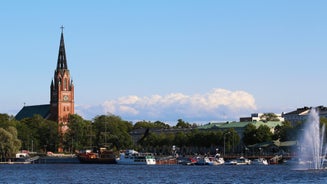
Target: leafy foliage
111,131
9,143
253,135
269,117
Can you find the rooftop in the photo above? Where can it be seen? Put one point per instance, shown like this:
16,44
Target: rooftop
30,111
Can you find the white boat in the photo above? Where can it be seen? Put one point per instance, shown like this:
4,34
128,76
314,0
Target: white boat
260,161
243,161
132,157
239,161
215,160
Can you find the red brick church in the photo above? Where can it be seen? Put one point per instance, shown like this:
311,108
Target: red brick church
61,95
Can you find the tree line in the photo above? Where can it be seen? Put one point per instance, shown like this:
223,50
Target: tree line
37,134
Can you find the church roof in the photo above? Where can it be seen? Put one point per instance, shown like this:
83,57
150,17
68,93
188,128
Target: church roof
30,111
62,60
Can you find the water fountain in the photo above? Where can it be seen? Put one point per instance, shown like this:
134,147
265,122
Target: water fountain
312,146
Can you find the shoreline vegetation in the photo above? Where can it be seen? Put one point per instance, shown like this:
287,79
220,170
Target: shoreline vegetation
37,134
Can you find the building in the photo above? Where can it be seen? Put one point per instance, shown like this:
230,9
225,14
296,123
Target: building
239,127
61,90
61,95
301,114
259,117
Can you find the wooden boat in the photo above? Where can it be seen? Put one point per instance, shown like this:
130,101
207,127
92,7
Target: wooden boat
170,160
103,156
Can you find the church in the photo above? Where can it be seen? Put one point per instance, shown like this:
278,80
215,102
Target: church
61,94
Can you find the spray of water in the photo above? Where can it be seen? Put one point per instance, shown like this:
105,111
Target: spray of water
312,147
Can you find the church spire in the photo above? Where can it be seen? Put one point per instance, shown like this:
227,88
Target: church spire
62,61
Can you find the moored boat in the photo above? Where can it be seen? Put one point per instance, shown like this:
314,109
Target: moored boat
132,157
103,156
187,160
260,161
170,160
239,161
210,160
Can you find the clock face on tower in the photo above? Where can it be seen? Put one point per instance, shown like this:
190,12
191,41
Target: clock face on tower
65,98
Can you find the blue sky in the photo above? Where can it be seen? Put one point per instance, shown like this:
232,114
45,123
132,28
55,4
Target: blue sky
164,60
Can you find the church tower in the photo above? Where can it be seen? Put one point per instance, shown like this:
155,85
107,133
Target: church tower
61,91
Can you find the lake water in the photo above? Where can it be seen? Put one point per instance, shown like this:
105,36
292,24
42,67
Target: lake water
88,173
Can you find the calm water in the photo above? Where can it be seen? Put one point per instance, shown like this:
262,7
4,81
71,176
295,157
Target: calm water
83,173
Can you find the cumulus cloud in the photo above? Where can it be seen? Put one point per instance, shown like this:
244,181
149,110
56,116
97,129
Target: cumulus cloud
217,104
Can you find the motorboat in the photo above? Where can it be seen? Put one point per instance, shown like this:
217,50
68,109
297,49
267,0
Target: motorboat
210,160
239,161
132,157
260,161
243,161
187,161
216,160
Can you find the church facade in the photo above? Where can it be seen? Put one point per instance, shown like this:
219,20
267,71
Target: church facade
61,95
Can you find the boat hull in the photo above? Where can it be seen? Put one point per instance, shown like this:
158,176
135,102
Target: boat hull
97,160
132,157
102,157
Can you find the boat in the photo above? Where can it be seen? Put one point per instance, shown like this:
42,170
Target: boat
260,161
23,158
170,160
132,157
187,160
239,161
102,156
210,160
276,159
216,160
58,158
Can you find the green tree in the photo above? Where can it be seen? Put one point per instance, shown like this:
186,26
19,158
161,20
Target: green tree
263,134
9,143
7,121
112,132
38,134
159,124
232,140
149,124
78,133
48,135
180,139
285,132
249,134
182,124
269,117
143,124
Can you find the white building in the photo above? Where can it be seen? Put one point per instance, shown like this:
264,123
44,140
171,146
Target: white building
260,117
301,114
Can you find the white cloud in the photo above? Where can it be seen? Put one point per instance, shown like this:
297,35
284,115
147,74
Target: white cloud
217,104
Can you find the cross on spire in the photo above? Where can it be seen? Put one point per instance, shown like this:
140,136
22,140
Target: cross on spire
62,28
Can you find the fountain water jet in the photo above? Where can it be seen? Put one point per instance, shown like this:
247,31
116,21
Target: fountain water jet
312,146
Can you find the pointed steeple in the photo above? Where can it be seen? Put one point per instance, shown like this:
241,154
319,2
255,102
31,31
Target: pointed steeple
62,61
